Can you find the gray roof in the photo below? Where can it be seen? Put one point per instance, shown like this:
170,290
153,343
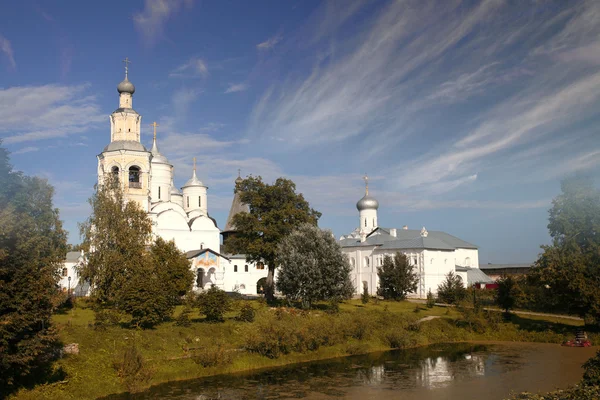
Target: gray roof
194,253
504,266
73,256
236,207
125,145
475,275
156,156
409,239
193,181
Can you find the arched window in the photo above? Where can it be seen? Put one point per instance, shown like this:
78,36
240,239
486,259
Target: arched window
352,262
235,268
134,177
467,262
366,261
65,272
246,268
159,192
200,278
188,201
199,201
365,222
260,265
115,171
242,287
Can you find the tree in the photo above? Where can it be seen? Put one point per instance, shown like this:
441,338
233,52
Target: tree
570,268
275,211
364,298
396,277
312,267
506,294
32,250
117,233
126,270
451,290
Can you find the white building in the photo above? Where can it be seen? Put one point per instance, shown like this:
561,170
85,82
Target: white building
147,177
69,277
432,253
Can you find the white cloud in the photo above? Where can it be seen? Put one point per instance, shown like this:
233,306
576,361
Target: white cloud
30,113
28,149
151,20
236,87
269,43
182,100
193,68
6,48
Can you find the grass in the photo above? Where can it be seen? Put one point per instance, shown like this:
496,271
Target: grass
168,350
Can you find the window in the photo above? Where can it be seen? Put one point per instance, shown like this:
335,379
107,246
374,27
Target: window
467,262
65,272
373,222
246,268
260,266
159,192
431,261
366,261
134,177
199,201
188,201
235,268
200,278
352,262
365,222
414,260
115,171
242,287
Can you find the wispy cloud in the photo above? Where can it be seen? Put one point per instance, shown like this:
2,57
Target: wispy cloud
6,48
28,149
151,20
236,87
193,68
31,113
269,43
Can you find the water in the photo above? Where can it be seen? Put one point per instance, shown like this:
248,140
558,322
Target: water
451,371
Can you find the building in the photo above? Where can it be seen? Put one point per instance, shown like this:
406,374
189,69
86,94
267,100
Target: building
432,253
147,177
69,276
495,271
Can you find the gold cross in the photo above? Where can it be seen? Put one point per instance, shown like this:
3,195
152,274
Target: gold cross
194,163
127,62
366,178
154,124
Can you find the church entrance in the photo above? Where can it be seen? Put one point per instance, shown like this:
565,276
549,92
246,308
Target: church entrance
260,286
200,278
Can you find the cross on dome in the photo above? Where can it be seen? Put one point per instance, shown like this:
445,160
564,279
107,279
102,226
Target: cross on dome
127,62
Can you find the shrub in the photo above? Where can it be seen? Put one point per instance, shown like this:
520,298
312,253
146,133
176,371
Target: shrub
364,298
356,348
132,369
184,318
105,317
591,376
507,293
212,356
247,313
397,339
472,317
214,303
430,299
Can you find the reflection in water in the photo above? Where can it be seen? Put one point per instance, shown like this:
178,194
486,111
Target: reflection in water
433,372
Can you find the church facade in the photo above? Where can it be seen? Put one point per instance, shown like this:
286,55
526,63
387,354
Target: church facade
147,176
433,254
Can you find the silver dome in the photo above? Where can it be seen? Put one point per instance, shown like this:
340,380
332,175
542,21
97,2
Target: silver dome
126,87
367,203
125,145
156,156
193,181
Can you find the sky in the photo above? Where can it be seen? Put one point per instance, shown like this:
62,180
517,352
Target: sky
464,115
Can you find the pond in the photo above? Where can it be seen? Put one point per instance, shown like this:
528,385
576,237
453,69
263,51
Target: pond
448,371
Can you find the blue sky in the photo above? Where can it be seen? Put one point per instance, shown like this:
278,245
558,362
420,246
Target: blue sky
465,115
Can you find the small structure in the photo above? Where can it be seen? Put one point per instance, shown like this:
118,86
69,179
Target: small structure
495,271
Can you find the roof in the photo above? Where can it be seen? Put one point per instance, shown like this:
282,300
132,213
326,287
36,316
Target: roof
193,181
475,275
73,256
125,145
195,253
504,266
407,239
236,207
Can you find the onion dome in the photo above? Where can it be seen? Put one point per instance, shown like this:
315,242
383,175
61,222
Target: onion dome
193,181
126,87
367,203
156,156
174,190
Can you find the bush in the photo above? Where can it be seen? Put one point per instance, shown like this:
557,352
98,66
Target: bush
472,317
132,369
430,299
396,339
214,303
364,298
591,376
507,293
184,318
212,356
247,313
105,317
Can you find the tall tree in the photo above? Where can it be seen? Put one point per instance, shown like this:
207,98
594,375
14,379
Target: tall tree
570,267
275,211
507,292
117,233
32,249
312,267
452,289
397,277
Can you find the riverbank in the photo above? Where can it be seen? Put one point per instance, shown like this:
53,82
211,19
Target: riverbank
276,337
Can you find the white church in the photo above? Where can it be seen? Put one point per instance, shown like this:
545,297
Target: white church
432,253
147,176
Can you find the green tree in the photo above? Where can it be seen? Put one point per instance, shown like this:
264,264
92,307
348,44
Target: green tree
125,274
312,267
32,249
117,233
214,303
570,267
275,211
452,289
364,297
396,277
507,293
